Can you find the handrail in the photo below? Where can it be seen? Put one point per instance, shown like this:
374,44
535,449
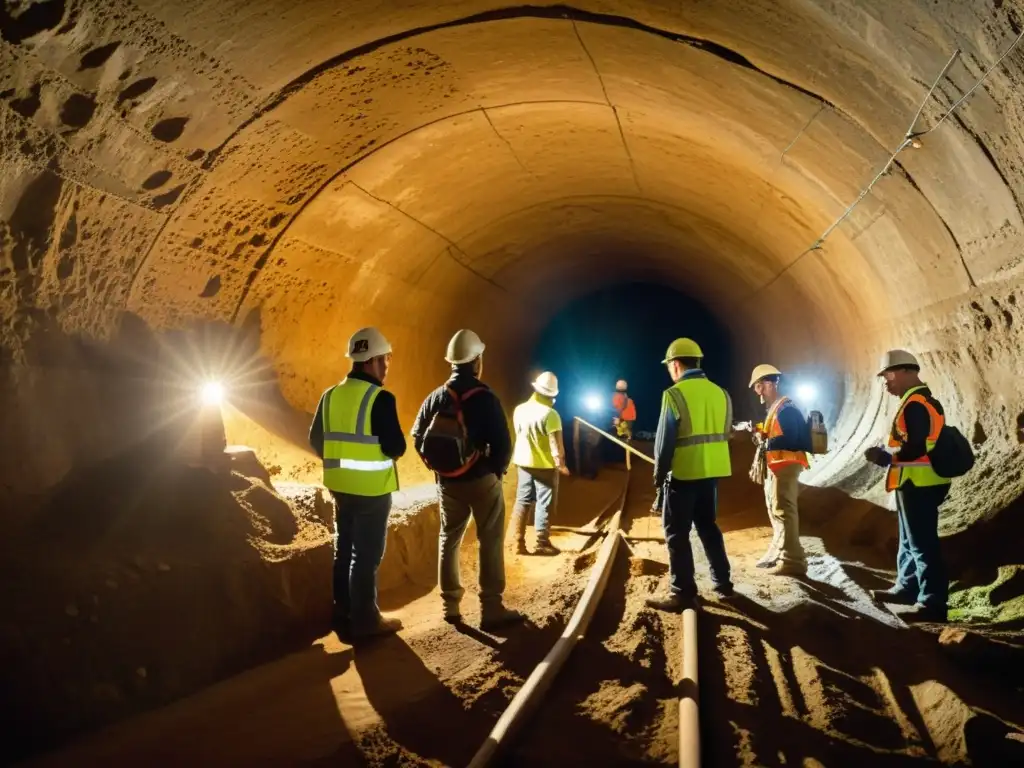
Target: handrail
614,439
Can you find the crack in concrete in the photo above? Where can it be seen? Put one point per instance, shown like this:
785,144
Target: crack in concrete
949,230
554,12
991,158
452,245
618,120
261,262
507,143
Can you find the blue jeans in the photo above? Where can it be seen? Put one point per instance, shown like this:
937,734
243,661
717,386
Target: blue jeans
920,570
362,532
538,486
686,504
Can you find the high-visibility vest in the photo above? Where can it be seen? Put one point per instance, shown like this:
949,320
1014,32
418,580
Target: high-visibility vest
919,471
703,416
624,406
353,460
772,428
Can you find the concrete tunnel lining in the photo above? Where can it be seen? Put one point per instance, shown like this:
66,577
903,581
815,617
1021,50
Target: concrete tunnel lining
690,113
309,168
619,146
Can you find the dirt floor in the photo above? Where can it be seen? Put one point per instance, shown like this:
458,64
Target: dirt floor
802,672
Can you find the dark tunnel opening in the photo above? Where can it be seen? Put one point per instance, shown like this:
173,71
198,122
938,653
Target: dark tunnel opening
621,331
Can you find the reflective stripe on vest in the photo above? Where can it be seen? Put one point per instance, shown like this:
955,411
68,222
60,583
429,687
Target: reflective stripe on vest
772,428
703,412
353,461
919,471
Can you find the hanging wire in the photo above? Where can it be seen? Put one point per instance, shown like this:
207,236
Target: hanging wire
910,139
974,87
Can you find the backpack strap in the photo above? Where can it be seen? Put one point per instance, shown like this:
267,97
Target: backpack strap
458,401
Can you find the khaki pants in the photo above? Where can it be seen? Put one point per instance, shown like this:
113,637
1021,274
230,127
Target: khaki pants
781,489
483,500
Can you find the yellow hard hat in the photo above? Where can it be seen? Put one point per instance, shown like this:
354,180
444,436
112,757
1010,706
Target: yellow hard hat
761,371
682,348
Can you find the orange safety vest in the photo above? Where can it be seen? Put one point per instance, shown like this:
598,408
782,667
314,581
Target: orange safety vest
919,470
778,459
625,407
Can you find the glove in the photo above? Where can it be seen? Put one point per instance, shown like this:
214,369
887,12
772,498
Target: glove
877,456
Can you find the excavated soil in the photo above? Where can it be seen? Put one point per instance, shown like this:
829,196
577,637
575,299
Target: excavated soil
793,672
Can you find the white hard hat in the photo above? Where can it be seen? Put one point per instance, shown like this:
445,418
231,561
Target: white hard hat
896,358
546,384
621,385
366,344
761,371
464,347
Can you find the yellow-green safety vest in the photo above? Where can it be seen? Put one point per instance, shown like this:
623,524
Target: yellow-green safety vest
353,460
703,412
919,471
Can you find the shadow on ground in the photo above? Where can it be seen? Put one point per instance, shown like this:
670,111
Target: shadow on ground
786,688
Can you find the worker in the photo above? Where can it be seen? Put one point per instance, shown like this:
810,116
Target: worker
786,442
921,579
539,454
464,413
691,453
625,411
357,435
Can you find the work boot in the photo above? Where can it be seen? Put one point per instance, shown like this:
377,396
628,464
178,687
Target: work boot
894,595
671,604
921,613
787,568
518,529
724,592
498,616
545,547
767,560
452,614
386,625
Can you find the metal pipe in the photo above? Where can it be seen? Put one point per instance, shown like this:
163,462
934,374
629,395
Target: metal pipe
544,673
616,440
689,696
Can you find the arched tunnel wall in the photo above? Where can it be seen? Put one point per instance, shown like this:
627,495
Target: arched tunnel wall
330,166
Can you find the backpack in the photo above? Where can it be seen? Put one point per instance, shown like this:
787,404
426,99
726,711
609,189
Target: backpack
817,435
952,455
445,448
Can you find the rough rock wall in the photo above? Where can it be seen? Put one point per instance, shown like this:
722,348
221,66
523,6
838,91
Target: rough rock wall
343,165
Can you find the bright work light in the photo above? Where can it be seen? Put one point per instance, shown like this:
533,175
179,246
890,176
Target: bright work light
806,393
592,402
212,393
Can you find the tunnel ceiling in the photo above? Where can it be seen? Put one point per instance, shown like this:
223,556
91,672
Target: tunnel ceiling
426,166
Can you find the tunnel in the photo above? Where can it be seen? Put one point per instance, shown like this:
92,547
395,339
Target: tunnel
827,179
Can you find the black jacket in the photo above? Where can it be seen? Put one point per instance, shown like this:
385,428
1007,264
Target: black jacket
485,420
919,424
795,435
383,421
